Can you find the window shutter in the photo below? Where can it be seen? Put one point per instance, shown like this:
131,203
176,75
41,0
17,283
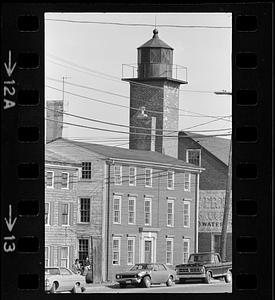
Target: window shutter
71,214
58,256
71,256
59,214
51,255
51,209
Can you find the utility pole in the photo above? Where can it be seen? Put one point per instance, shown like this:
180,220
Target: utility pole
63,84
226,205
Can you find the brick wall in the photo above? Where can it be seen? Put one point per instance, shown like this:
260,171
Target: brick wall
214,176
155,100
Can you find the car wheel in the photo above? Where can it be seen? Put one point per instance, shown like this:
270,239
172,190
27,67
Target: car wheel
207,277
146,281
122,285
181,280
228,277
169,281
54,288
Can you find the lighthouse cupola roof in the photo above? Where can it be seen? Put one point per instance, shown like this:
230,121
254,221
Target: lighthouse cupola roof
155,42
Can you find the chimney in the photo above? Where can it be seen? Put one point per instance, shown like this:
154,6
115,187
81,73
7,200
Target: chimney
54,122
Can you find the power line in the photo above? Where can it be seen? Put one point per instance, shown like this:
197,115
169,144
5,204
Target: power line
134,127
126,97
116,131
115,78
139,24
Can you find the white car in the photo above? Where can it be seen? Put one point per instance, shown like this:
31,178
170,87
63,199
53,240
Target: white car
60,279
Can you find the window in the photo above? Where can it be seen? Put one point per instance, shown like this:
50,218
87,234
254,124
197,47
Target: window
84,210
83,249
187,181
147,211
169,251
130,251
118,175
170,180
64,214
64,180
86,170
49,179
64,257
47,213
116,251
131,210
64,271
193,156
117,209
132,176
186,243
170,213
47,256
148,177
186,213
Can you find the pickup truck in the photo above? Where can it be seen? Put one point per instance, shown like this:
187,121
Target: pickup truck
204,266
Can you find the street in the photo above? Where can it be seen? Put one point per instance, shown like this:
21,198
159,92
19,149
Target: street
215,286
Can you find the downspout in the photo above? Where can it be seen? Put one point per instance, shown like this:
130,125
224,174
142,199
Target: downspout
197,212
108,217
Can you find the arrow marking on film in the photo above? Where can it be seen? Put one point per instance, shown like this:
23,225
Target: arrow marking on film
9,68
9,223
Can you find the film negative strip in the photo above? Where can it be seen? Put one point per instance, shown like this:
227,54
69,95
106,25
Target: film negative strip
23,147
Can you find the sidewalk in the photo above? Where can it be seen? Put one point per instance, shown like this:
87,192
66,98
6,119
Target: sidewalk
101,285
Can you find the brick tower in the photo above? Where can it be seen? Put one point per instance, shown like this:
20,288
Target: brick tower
154,99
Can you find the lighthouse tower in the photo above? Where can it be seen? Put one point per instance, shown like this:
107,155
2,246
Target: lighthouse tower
154,99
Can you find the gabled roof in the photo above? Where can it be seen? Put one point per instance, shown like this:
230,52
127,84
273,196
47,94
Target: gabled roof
219,147
111,152
53,157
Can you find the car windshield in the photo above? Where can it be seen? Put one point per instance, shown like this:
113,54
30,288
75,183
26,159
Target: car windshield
142,267
52,271
199,258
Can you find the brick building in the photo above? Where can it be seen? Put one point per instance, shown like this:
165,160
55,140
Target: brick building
61,174
212,154
138,206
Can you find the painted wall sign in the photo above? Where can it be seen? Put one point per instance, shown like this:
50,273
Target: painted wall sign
211,209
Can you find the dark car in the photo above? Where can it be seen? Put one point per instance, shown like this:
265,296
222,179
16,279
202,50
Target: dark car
204,266
145,274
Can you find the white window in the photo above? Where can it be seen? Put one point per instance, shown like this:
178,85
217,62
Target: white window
169,251
64,214
84,210
86,170
116,251
170,180
170,213
47,256
186,213
49,179
130,250
64,180
186,243
147,211
193,156
47,213
131,210
132,176
64,257
117,209
187,182
118,175
148,177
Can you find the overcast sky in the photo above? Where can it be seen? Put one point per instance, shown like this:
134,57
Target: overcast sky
92,55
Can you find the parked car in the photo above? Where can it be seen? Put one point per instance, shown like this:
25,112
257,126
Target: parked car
59,279
146,274
204,266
